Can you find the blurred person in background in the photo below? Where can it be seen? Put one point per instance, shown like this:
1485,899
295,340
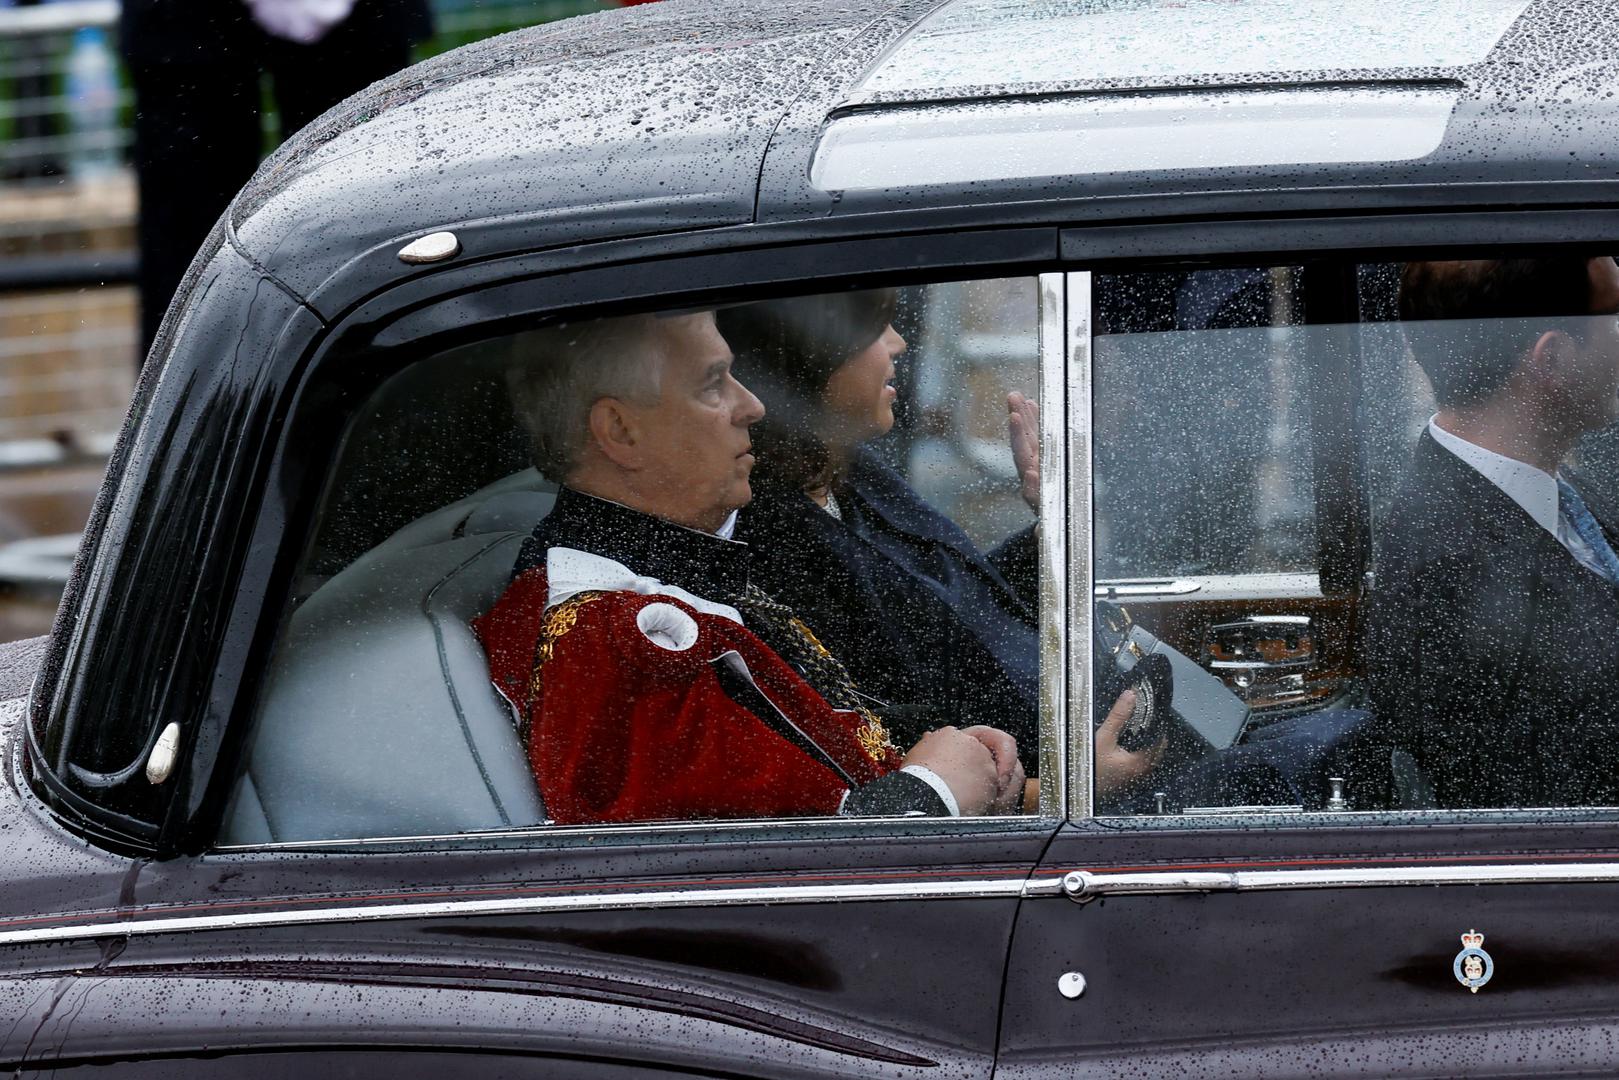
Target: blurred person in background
195,67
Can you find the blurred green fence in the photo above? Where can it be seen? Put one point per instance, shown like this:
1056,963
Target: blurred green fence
461,21
68,334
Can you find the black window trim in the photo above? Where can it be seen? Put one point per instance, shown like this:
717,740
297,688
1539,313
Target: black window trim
394,329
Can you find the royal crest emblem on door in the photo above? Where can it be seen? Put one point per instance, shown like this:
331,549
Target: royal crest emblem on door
1473,966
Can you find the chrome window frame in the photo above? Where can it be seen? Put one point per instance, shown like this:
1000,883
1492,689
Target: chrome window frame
1075,491
719,830
1054,698
1052,318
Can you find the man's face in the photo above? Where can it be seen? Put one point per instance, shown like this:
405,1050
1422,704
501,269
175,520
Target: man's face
695,451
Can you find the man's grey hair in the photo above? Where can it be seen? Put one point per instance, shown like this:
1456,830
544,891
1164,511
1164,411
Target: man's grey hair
559,373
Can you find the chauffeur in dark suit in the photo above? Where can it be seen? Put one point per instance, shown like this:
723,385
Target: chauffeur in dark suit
1495,621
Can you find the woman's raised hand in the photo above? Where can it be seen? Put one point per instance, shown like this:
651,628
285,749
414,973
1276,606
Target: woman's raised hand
1023,421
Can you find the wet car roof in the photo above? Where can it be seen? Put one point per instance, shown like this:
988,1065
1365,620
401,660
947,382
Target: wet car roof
681,116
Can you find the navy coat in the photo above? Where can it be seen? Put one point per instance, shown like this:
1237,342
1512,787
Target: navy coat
937,630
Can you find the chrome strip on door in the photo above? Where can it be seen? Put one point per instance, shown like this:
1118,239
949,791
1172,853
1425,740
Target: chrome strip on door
995,888
1079,885
1083,885
1078,491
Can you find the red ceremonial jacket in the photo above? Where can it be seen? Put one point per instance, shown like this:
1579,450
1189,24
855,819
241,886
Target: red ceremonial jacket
626,716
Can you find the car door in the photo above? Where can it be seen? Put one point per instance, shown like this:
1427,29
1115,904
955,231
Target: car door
1316,909
642,958
377,878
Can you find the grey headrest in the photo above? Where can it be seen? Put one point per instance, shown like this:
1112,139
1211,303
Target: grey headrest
527,487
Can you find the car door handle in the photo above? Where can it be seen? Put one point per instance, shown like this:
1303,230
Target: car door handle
1112,590
1082,886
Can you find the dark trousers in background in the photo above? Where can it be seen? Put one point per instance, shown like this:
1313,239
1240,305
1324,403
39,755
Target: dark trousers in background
198,134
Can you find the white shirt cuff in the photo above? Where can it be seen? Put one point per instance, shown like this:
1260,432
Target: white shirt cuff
934,781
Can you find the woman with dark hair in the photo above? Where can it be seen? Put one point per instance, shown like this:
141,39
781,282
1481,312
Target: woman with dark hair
939,631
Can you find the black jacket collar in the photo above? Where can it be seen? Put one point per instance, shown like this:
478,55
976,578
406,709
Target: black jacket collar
896,502
696,561
1465,502
1449,480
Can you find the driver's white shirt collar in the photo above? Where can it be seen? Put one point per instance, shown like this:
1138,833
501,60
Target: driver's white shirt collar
1531,488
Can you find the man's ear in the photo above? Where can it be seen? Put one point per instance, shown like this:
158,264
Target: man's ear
615,433
1551,353
1556,357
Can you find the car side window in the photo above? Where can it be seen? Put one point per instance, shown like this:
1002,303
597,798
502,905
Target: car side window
1355,537
774,560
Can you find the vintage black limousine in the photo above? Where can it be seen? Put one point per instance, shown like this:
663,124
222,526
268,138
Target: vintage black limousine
266,812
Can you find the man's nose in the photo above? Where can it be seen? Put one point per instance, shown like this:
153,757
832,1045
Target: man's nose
749,409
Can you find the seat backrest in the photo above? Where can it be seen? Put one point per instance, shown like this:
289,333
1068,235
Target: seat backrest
378,717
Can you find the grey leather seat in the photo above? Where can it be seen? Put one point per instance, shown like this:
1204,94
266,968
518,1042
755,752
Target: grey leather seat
378,716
